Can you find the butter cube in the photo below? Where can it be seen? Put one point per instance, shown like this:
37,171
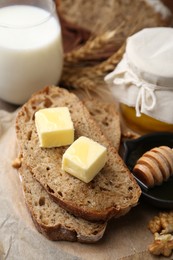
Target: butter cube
54,127
84,159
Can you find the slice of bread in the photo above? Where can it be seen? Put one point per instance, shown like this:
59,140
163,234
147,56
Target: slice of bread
107,117
111,193
53,221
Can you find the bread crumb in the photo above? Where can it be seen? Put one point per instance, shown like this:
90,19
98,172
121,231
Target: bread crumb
16,163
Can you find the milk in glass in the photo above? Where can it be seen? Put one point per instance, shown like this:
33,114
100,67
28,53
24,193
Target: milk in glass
31,54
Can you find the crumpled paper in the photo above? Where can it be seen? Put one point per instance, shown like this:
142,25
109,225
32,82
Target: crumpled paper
125,238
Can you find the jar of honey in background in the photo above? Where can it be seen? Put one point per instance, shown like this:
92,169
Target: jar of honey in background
142,82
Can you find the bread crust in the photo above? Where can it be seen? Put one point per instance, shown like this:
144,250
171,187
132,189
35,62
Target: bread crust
112,192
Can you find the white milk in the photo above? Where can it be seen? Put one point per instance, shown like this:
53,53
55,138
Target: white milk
31,56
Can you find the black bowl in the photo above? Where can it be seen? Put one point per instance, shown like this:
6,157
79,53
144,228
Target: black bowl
159,196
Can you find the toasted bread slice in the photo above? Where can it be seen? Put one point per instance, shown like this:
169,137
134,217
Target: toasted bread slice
53,221
111,193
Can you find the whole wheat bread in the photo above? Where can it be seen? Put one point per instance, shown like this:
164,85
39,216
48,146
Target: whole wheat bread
107,117
53,221
111,193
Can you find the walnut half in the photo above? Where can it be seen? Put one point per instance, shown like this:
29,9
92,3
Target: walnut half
162,245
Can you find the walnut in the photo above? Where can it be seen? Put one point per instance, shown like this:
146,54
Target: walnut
166,220
155,225
162,245
162,228
162,223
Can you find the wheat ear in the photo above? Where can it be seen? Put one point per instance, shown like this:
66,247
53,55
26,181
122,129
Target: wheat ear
93,47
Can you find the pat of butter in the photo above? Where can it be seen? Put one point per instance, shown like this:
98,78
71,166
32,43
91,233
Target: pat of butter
54,127
84,159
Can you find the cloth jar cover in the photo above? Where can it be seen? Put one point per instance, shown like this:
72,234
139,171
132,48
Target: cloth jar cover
144,77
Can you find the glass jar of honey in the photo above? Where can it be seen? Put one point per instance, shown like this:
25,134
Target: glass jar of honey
144,123
143,81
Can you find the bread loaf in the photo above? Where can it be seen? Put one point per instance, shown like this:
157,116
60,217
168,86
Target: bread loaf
53,221
110,194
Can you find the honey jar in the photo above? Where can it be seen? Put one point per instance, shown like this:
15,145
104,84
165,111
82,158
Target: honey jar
144,123
142,82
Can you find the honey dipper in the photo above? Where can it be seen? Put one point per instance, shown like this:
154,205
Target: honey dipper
155,166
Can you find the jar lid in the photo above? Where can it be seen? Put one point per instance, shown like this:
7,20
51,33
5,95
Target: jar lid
144,77
150,55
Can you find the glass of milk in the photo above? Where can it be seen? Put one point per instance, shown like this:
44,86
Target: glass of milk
31,53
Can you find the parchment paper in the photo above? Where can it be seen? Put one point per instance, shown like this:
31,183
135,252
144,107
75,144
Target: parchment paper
125,238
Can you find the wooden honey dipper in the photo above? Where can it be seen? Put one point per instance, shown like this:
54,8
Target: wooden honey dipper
155,166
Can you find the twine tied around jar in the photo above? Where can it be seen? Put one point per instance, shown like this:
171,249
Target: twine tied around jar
146,96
